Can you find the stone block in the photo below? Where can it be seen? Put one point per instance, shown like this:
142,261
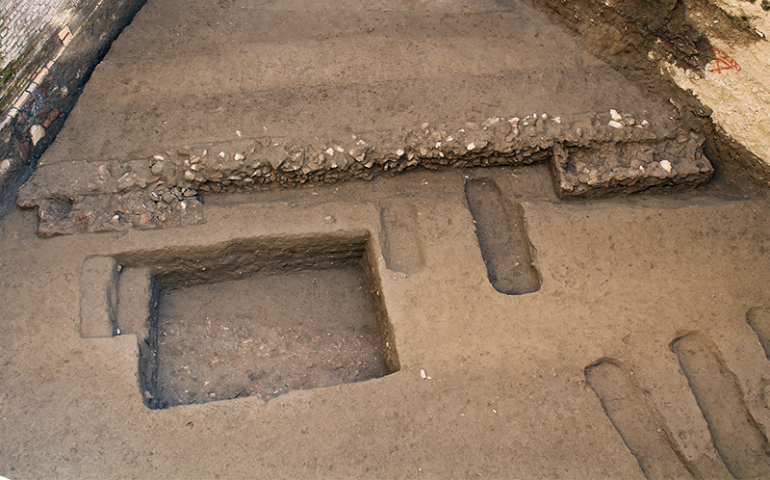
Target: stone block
677,163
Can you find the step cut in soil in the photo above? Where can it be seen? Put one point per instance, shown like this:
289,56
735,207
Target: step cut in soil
257,317
736,435
638,423
399,237
503,239
98,297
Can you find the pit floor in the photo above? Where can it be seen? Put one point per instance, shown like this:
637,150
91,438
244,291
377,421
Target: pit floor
267,335
504,394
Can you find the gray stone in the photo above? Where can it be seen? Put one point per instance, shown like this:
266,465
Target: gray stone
5,167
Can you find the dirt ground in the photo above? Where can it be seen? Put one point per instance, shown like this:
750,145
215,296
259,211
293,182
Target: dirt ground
523,336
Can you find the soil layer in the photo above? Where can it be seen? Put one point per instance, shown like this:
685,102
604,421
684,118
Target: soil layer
489,384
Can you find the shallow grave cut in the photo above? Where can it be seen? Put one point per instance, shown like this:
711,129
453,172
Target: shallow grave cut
502,235
261,318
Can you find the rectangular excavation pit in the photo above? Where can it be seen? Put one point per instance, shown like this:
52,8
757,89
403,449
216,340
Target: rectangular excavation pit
261,317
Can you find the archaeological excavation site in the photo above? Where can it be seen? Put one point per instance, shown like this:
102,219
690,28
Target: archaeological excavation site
399,239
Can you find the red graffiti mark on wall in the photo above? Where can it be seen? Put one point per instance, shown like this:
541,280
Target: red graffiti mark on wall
724,62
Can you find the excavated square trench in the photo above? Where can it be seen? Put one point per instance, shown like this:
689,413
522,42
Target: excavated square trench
259,318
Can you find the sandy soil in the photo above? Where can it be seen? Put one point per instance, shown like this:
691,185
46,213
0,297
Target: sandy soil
626,353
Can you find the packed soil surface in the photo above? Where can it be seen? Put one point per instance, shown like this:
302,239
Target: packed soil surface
187,72
491,329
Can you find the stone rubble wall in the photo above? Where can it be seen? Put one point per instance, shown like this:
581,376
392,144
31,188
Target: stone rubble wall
592,154
715,48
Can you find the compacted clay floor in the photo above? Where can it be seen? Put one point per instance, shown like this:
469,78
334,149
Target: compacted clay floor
486,329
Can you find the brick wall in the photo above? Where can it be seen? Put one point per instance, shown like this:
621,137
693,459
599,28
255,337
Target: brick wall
23,23
41,75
